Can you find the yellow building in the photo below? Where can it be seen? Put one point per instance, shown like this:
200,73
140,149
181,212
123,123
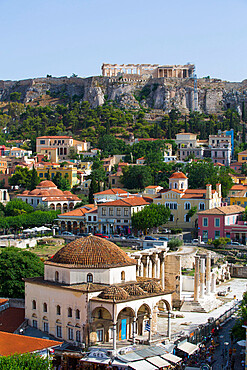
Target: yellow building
181,200
68,171
239,198
242,157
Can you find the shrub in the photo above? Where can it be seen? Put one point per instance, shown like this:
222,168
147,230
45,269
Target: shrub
174,244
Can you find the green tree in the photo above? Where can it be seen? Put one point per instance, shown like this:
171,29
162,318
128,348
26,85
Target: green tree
15,265
17,207
48,174
238,331
136,177
149,217
35,180
24,361
61,182
93,188
21,177
15,96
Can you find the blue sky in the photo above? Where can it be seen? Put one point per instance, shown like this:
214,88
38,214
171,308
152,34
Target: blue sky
61,37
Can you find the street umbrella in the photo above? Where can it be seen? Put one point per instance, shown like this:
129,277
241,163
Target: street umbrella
28,231
242,343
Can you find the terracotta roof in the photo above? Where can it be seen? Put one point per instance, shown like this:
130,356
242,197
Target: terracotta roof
244,152
152,187
46,184
238,187
92,252
226,210
14,343
178,175
3,301
54,137
112,191
11,319
76,212
127,202
114,292
151,286
134,290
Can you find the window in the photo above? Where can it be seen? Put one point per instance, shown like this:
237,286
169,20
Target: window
217,222
58,310
94,218
46,327
187,218
69,312
123,276
77,314
78,335
41,175
175,185
118,211
89,278
99,334
89,218
35,324
126,211
228,220
42,142
45,307
113,181
205,235
70,334
56,276
34,305
217,234
202,206
171,218
110,211
103,211
187,205
59,331
205,221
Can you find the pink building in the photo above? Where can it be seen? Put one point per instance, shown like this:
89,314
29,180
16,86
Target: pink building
222,222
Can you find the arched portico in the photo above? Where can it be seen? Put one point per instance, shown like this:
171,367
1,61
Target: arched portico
162,309
101,326
125,323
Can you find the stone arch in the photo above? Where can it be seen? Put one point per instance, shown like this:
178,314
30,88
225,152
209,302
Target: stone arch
74,227
71,206
52,206
69,226
101,321
125,320
162,308
59,207
63,226
143,314
65,207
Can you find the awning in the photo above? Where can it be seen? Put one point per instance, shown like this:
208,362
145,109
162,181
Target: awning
94,360
158,361
187,347
172,358
141,365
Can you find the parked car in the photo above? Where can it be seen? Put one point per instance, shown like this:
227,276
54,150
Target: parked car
83,234
195,242
68,233
164,238
150,238
132,237
102,236
118,236
237,243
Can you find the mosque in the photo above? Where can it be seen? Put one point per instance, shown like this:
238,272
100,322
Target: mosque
91,293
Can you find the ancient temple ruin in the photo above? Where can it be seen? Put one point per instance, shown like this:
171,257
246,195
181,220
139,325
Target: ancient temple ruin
148,70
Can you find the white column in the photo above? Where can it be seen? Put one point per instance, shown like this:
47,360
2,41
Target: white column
208,273
162,270
213,283
169,327
202,278
150,332
114,336
196,279
134,330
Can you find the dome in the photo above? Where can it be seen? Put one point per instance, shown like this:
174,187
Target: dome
114,292
134,290
151,286
46,184
66,192
92,252
178,175
34,192
44,193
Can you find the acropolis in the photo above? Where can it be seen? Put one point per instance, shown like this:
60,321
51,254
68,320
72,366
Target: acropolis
151,70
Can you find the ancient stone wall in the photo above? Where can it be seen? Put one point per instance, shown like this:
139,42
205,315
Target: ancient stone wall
173,274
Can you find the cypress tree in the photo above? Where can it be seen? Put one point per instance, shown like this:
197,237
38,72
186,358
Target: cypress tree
48,174
92,190
243,111
243,134
35,180
185,124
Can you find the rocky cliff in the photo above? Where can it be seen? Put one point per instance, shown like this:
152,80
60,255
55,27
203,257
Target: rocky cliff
129,91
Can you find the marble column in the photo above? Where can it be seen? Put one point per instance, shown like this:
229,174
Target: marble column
202,278
162,269
154,260
196,279
169,325
208,273
150,330
158,267
145,261
213,283
134,330
114,336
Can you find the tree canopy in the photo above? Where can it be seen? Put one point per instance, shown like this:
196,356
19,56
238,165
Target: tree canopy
136,177
150,217
16,264
24,361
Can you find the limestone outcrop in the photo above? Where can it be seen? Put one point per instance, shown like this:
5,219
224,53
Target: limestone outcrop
131,91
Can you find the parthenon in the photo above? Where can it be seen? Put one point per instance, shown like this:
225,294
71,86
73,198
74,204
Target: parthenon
151,70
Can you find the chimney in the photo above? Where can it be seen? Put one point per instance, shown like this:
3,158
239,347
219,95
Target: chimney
208,191
218,189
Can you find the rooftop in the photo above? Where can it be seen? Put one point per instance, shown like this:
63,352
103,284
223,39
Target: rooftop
112,191
11,319
178,175
226,210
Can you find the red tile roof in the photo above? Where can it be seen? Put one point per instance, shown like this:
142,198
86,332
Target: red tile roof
226,210
178,175
76,212
238,187
112,191
54,137
3,301
11,319
127,202
14,343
